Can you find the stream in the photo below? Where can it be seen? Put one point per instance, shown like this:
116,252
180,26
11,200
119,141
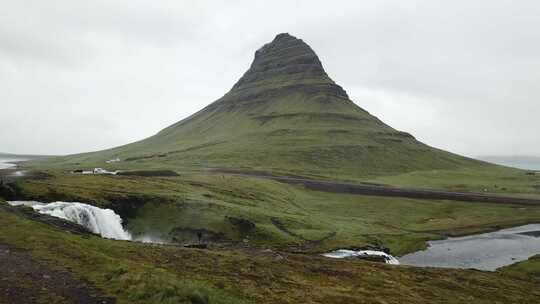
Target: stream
486,251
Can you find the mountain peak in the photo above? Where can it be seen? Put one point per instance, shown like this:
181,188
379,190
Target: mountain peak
285,61
285,41
285,115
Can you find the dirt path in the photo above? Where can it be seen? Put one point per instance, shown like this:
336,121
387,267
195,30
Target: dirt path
381,190
24,280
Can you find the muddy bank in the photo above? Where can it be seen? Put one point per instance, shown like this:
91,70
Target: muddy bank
25,280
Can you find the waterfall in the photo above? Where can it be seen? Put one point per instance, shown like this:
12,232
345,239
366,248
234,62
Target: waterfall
104,222
344,253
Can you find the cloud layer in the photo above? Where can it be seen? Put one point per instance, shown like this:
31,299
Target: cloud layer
87,75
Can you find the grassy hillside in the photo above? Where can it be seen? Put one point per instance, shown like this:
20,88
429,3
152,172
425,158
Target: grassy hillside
282,215
286,115
137,273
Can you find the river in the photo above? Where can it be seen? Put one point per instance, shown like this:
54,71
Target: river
486,251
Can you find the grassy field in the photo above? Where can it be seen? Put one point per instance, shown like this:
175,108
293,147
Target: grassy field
496,179
525,269
139,273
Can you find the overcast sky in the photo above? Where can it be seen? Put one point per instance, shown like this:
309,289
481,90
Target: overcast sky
79,76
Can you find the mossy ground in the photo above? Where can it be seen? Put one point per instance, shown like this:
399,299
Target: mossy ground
139,273
526,269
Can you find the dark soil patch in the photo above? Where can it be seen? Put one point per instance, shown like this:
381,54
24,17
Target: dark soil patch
243,226
149,173
184,235
24,280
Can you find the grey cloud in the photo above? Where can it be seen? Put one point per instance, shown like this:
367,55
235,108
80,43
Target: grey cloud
459,75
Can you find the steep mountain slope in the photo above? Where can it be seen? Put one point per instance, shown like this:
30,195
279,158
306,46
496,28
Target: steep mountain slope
285,114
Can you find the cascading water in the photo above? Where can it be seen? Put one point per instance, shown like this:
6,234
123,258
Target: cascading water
344,253
104,222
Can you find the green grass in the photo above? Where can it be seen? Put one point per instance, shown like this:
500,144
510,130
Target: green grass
497,180
529,269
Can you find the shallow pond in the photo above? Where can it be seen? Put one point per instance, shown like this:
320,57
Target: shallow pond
487,251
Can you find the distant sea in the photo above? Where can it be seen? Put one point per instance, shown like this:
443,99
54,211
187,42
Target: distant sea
526,163
8,163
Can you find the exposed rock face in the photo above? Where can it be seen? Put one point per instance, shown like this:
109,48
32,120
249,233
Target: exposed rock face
285,65
286,59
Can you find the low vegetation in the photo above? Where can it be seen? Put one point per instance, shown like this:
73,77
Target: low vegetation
527,270
139,273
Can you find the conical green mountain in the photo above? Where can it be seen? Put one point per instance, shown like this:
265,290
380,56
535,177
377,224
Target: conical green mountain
285,114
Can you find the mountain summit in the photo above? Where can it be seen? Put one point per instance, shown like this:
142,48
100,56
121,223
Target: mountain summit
284,65
284,61
285,114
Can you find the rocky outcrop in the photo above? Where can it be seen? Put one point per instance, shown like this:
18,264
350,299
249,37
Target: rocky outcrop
283,60
284,66
7,191
243,226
